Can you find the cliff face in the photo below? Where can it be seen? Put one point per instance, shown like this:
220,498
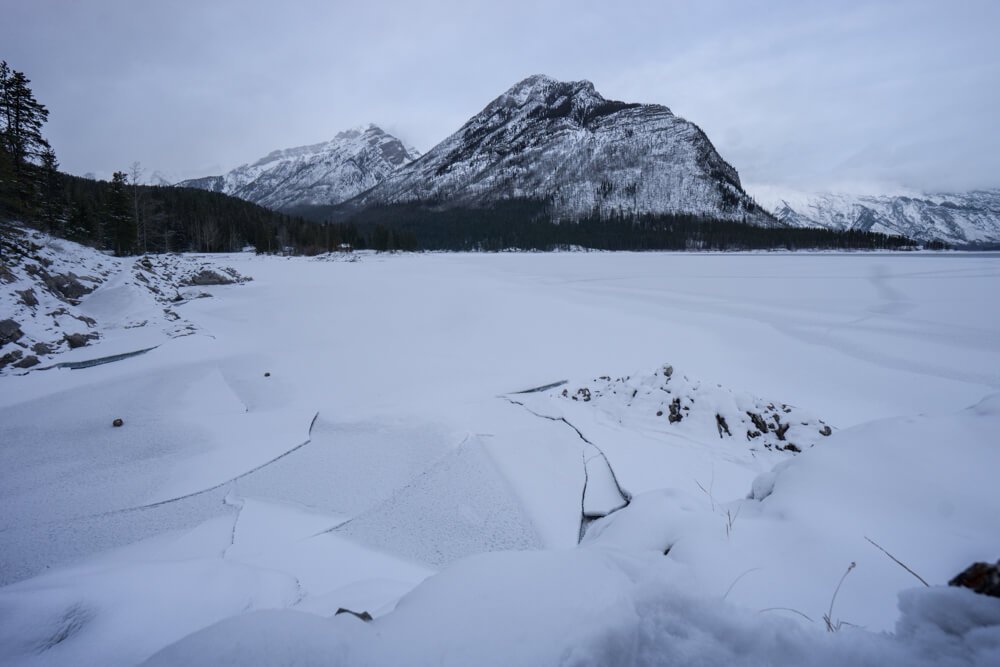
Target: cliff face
564,143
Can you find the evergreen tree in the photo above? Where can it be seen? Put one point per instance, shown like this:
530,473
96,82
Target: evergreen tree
120,223
21,120
51,205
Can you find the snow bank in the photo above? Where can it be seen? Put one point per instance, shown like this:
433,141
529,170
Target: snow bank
61,296
906,484
590,607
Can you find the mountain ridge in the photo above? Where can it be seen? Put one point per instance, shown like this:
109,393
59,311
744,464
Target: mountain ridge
318,174
962,219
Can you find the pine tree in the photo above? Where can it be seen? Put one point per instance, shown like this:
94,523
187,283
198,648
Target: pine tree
120,223
51,209
21,120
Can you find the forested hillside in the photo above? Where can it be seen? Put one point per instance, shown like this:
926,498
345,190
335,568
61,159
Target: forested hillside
525,224
122,215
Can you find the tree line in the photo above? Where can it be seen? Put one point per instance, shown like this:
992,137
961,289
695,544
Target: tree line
525,224
125,217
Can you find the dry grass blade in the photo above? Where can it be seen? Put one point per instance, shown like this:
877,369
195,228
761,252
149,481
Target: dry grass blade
898,562
830,626
707,492
736,581
794,611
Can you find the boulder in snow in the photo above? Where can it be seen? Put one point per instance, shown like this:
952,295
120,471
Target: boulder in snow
980,577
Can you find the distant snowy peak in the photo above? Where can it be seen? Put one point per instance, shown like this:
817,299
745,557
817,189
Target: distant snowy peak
316,175
565,143
959,219
160,179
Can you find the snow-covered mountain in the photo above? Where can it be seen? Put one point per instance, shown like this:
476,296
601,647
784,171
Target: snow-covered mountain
320,174
564,142
159,178
959,219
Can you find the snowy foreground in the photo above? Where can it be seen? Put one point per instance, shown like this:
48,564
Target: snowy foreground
711,441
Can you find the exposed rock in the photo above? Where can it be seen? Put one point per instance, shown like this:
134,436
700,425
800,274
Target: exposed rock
13,355
64,285
75,340
364,616
758,422
980,577
28,297
780,429
10,357
209,277
68,285
675,411
116,423
9,331
89,321
41,348
27,362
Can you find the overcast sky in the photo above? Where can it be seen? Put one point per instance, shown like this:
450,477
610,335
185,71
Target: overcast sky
795,93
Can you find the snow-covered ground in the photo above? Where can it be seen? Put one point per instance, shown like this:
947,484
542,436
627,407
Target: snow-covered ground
364,435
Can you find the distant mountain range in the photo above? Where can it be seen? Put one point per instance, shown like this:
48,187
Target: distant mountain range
543,139
564,144
960,219
316,175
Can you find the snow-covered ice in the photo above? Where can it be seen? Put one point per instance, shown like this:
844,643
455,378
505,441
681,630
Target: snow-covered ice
356,435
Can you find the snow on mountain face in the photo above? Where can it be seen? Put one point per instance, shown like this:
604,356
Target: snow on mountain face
960,219
321,174
562,141
159,178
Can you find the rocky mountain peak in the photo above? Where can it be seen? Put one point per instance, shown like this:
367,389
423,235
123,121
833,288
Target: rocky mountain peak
544,90
318,174
564,143
543,98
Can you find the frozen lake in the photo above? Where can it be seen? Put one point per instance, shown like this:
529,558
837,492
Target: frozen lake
383,438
